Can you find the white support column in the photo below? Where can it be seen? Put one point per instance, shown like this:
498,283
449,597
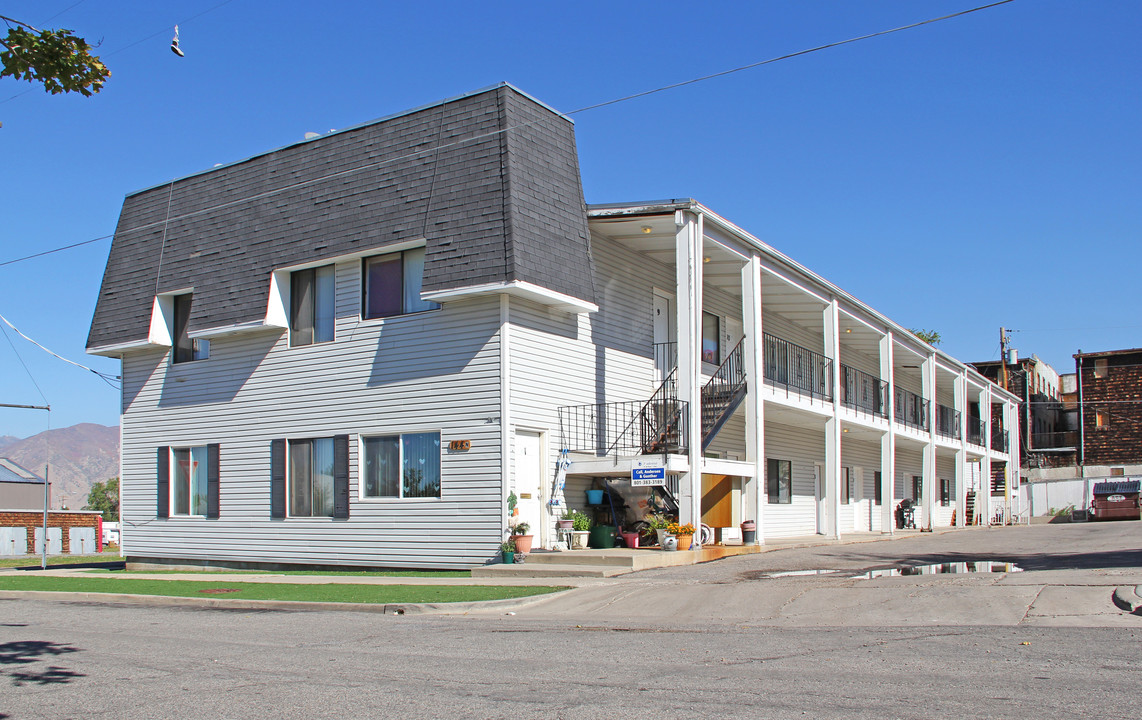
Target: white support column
888,442
961,405
928,475
983,503
1011,425
833,424
688,264
756,496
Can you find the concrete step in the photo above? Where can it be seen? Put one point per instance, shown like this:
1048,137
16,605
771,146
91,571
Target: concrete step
582,557
547,570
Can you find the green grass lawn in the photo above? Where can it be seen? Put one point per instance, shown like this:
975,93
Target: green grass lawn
345,573
376,594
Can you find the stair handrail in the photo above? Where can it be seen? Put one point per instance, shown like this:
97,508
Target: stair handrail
732,365
669,381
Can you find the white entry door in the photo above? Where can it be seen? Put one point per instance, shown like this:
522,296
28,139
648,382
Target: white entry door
664,332
529,482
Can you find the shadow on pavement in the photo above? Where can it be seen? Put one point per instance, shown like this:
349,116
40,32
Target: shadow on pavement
26,652
115,565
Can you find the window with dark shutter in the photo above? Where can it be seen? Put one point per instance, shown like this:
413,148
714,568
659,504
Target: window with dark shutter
341,476
163,482
277,478
212,480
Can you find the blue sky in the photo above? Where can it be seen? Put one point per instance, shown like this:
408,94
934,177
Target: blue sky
979,172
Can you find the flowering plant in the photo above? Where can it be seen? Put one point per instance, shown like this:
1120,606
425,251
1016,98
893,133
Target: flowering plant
676,529
657,522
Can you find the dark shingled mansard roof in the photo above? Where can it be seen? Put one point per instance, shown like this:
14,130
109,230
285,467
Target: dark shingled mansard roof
492,206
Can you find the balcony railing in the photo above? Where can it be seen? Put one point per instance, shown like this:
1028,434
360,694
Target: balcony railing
911,409
797,369
625,428
1055,440
975,430
947,422
999,439
863,392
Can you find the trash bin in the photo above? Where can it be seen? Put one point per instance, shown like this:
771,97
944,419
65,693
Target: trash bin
749,532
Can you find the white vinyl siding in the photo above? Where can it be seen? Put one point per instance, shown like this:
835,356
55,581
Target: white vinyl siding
803,447
862,515
430,372
909,464
945,470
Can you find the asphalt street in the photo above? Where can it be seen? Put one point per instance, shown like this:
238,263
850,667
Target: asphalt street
718,640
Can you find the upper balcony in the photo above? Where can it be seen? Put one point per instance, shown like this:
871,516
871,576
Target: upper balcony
1066,440
975,433
1000,439
796,369
912,410
948,422
863,393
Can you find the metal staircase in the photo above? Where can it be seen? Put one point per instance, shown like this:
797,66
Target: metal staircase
722,394
660,424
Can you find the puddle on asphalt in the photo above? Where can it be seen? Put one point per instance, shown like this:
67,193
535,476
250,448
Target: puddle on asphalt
799,573
952,568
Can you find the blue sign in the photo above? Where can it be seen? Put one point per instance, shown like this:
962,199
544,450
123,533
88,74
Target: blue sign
640,476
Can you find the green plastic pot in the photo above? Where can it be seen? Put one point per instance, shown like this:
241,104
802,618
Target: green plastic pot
602,537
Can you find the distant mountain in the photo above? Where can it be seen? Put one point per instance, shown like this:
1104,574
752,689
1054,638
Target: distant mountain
78,456
6,440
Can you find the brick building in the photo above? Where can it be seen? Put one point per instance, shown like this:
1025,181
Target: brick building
1043,440
1110,412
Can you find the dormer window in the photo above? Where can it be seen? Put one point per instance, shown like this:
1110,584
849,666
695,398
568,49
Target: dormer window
392,284
311,306
186,349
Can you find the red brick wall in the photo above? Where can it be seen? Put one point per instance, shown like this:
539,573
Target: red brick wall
66,520
1119,396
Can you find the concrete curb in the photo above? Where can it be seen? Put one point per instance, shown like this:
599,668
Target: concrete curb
456,608
1129,598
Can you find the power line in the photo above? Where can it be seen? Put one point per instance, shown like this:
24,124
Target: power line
25,365
789,56
493,133
106,377
125,47
61,12
55,250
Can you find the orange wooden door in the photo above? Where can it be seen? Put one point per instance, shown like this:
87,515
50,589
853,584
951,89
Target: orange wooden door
717,501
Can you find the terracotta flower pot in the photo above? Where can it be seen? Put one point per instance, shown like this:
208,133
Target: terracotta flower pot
522,543
684,541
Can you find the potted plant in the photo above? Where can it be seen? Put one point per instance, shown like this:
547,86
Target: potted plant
507,551
658,523
684,533
520,537
566,521
580,530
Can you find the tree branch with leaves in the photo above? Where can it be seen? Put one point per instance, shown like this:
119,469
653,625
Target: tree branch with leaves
931,337
58,59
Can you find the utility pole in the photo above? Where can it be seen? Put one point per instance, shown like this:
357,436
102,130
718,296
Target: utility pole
1003,340
44,555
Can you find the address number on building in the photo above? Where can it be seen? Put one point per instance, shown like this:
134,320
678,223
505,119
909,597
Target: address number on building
460,445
